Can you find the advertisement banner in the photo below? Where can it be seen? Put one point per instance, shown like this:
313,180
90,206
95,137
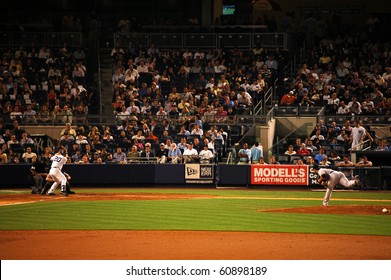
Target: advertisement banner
313,177
199,173
279,174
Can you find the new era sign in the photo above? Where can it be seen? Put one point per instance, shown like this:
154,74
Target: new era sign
199,173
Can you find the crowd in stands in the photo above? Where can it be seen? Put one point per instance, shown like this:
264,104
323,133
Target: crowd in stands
39,85
165,96
111,144
350,76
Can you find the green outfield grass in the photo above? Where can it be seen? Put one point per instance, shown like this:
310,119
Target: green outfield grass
227,210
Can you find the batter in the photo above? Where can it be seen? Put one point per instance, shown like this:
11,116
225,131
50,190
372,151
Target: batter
58,161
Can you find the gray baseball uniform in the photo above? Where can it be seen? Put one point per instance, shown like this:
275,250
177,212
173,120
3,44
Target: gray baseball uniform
335,177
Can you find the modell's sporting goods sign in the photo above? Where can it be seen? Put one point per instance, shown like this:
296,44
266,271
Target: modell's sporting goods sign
279,174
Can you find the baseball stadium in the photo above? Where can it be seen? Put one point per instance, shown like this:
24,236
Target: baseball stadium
195,130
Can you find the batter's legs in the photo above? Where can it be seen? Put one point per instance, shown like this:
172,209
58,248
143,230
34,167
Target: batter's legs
59,179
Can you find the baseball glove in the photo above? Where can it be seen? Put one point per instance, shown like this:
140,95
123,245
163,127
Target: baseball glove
323,183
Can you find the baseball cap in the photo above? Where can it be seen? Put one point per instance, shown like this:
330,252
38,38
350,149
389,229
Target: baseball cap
315,166
68,123
161,144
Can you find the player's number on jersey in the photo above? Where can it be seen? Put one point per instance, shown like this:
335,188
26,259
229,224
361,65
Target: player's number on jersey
58,159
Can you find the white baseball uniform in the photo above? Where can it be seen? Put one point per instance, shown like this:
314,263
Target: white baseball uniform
336,177
358,134
55,172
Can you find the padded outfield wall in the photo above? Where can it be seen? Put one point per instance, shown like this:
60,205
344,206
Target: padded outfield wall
135,175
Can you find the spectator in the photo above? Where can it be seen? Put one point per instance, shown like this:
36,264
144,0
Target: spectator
262,161
197,145
288,99
165,136
152,137
44,115
26,139
80,115
325,161
84,160
66,115
334,156
364,162
244,98
310,161
347,128
138,144
297,144
310,146
244,154
119,156
12,141
28,155
148,154
183,132
81,139
290,151
161,114
273,160
346,163
107,137
122,138
67,140
133,154
162,153
383,146
76,157
197,130
29,115
139,136
79,73
4,158
256,153
183,145
174,154
358,135
318,136
206,155
16,114
320,155
343,109
361,164
69,130
303,151
190,155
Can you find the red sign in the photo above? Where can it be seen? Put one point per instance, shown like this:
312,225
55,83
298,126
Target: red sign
279,174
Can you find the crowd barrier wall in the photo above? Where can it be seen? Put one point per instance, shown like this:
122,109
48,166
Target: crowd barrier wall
378,158
132,175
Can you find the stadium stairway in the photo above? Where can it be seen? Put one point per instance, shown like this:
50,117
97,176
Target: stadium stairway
106,73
